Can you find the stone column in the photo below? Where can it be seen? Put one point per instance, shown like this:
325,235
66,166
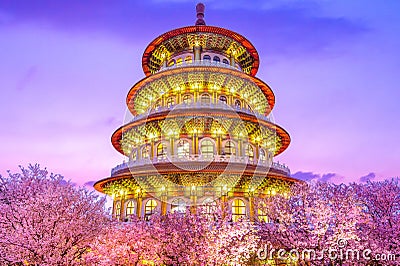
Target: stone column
151,149
163,205
139,204
232,59
171,144
195,143
252,212
240,147
122,214
197,52
114,216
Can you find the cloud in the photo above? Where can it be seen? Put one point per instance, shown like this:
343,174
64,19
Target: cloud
310,176
89,184
368,177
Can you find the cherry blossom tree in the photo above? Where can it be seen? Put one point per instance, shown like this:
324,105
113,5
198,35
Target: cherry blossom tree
45,220
380,226
312,216
175,239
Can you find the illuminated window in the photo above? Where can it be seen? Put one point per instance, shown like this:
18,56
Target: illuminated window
170,101
134,155
187,99
209,207
205,99
146,152
222,99
225,61
178,205
118,209
230,148
161,151
238,104
262,154
150,208
207,148
171,63
216,59
207,57
179,61
183,148
188,59
238,209
249,151
262,214
130,208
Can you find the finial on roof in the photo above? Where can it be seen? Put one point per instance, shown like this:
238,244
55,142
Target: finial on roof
200,14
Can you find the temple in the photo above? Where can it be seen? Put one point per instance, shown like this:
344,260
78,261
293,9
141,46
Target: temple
201,131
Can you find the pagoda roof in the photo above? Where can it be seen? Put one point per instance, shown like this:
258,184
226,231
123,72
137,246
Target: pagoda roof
209,37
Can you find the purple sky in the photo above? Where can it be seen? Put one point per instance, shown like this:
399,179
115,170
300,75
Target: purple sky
66,67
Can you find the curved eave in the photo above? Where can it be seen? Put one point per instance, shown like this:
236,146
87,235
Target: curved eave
126,173
117,135
267,91
206,29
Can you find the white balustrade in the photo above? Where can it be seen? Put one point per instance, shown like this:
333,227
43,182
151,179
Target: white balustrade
199,158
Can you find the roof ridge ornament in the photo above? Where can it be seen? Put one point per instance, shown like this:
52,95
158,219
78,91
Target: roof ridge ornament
200,14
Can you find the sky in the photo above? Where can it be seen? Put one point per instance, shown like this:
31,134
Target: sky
67,66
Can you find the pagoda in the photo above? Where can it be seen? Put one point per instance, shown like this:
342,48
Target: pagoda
200,132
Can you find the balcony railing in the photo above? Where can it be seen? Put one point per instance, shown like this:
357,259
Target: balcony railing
199,63
200,158
198,106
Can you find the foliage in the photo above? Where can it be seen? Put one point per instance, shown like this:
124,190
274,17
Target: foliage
46,220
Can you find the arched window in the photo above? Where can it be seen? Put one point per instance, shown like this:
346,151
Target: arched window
183,148
130,208
178,205
118,209
262,214
150,208
238,104
249,151
161,150
187,99
225,61
262,154
216,59
205,99
146,152
134,155
238,209
171,63
222,99
179,61
230,148
188,59
170,101
207,57
207,148
209,207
